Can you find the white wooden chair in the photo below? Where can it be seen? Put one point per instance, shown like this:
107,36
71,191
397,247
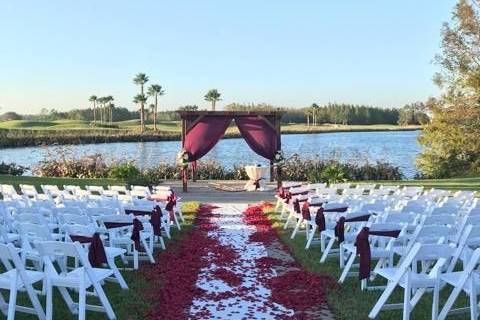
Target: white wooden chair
111,252
381,249
120,237
16,278
406,276
79,279
467,281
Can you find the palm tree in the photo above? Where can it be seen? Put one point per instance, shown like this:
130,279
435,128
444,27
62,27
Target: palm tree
108,108
155,90
140,79
315,109
213,96
111,106
308,112
101,101
93,99
141,99
151,108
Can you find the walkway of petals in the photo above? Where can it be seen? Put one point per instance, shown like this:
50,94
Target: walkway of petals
233,265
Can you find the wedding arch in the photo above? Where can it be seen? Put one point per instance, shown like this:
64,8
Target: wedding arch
201,130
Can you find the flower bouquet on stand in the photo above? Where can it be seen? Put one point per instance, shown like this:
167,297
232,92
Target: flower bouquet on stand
278,163
182,162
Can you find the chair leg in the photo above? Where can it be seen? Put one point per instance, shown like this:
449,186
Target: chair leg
287,222
436,297
34,299
382,300
297,227
82,301
105,302
473,299
12,302
347,268
49,302
406,301
148,251
116,273
327,250
311,235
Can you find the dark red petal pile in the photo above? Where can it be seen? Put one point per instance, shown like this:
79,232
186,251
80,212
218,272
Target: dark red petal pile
296,289
172,280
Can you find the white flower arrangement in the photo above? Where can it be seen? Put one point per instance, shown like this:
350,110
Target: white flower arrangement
279,159
182,158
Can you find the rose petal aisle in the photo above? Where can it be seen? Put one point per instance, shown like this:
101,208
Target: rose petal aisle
233,265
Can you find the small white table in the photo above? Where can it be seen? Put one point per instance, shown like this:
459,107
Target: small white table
257,173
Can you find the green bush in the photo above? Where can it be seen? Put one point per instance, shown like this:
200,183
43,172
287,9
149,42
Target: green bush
12,169
124,171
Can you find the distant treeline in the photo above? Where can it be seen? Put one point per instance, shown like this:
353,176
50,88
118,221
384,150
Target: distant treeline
314,115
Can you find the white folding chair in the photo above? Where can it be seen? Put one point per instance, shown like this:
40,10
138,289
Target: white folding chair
79,279
111,252
16,278
406,276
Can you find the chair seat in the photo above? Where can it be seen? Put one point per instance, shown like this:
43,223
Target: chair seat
374,251
453,278
114,252
417,280
7,277
73,277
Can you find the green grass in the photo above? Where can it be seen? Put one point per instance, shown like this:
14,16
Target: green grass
128,304
348,301
175,126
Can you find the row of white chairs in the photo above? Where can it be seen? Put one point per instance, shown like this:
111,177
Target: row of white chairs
37,247
418,239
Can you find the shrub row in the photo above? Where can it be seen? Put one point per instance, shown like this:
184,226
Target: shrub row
296,169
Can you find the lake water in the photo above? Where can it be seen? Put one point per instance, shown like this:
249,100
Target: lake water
398,148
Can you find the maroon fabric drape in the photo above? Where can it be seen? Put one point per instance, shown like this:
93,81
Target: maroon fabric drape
363,248
261,138
320,219
205,135
96,250
137,227
340,227
306,211
156,221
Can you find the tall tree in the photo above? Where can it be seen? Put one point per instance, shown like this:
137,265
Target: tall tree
451,144
102,101
213,96
108,108
93,99
141,99
140,80
155,90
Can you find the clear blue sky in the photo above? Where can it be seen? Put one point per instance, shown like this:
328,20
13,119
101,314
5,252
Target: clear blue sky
57,53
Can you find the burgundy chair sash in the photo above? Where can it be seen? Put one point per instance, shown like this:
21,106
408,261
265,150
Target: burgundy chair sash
112,225
320,219
340,227
296,206
156,221
288,197
363,248
281,192
96,250
137,227
138,212
339,209
257,183
306,211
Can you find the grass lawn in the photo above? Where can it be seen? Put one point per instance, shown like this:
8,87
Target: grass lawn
175,126
127,304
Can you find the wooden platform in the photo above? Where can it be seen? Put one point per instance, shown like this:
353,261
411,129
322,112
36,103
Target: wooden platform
216,191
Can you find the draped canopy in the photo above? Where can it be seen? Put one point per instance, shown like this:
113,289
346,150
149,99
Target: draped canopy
201,130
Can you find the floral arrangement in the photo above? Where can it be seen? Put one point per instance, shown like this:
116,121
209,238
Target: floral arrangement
279,159
182,159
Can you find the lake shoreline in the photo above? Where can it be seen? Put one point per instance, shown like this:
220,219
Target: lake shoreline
18,138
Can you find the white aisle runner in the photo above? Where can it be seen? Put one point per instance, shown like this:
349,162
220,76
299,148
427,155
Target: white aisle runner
251,299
